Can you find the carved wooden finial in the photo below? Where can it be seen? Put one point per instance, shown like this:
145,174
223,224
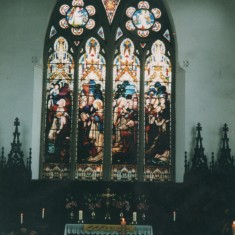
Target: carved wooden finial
16,134
199,161
199,138
225,160
225,139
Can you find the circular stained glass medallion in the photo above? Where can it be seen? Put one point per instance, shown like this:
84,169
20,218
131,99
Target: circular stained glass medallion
90,24
63,23
77,31
63,9
143,19
77,16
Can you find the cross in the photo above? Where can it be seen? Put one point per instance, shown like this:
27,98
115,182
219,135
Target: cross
107,195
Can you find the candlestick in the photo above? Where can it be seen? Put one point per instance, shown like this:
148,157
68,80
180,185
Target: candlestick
43,213
134,218
80,217
174,216
233,228
123,226
21,218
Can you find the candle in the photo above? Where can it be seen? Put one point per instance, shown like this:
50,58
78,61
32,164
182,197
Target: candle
174,216
21,218
123,226
80,215
233,228
134,216
43,213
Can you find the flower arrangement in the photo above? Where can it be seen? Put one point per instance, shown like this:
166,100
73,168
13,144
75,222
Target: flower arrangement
141,203
122,202
92,201
70,202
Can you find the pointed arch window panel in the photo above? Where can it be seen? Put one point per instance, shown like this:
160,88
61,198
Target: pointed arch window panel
59,102
91,106
109,92
125,131
158,77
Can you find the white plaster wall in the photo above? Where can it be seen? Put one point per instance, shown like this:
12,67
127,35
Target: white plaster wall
22,35
205,89
205,38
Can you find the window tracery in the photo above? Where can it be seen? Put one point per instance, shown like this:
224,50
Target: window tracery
135,41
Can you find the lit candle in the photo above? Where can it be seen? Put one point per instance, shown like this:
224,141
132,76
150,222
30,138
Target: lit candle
123,226
21,218
80,215
43,213
233,228
134,216
174,216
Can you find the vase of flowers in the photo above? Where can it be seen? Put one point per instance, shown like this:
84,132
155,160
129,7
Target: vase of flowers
70,206
142,206
92,202
122,203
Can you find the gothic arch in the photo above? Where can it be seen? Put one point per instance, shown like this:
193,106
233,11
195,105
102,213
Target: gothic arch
109,92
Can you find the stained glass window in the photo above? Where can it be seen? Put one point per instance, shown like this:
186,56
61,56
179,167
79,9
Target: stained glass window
109,92
126,86
59,101
158,76
91,102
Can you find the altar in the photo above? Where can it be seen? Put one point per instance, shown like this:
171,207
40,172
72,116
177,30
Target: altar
106,229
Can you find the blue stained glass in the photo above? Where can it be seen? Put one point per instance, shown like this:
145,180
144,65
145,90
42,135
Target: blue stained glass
143,19
126,77
60,74
77,16
157,111
91,105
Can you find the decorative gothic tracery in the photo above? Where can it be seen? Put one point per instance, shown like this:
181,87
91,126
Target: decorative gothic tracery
123,60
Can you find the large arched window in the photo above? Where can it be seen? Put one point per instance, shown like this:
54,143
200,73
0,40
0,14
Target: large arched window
109,92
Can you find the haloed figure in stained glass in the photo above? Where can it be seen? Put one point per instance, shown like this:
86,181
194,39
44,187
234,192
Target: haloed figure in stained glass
91,103
125,103
157,105
59,86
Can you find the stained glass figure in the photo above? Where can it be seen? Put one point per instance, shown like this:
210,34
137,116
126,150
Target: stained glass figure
77,17
158,78
129,25
156,27
90,24
143,5
63,9
126,79
60,79
143,33
135,38
101,33
130,11
78,3
64,23
110,7
92,71
156,12
143,19
76,31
